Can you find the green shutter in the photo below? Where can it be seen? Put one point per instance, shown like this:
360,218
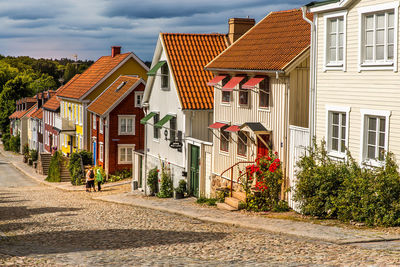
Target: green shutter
163,121
148,117
154,70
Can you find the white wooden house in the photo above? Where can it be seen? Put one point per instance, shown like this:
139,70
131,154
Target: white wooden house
261,95
178,105
355,79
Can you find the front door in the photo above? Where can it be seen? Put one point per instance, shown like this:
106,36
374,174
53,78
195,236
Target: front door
262,149
94,154
194,170
140,171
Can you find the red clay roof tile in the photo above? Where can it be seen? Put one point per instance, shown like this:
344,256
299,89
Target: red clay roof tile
270,45
188,54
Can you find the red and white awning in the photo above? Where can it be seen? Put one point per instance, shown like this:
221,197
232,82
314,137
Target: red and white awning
216,80
250,84
229,86
233,128
217,125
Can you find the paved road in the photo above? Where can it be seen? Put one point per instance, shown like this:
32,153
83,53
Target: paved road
10,177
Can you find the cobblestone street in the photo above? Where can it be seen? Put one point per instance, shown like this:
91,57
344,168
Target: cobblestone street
44,226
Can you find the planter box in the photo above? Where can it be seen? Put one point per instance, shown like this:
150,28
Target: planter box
178,195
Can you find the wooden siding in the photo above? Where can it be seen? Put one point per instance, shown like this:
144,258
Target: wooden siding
377,90
273,119
299,94
197,123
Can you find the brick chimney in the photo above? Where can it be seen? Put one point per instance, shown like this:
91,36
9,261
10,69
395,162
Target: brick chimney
115,50
238,27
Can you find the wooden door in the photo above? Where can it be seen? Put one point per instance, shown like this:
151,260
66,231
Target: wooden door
194,170
262,149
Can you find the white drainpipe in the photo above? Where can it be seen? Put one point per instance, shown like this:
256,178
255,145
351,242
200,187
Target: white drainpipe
313,76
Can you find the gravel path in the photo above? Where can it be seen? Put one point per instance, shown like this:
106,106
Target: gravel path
41,226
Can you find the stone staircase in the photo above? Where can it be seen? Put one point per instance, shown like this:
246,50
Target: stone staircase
43,163
65,175
234,202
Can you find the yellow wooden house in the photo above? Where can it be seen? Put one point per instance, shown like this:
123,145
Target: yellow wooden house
76,96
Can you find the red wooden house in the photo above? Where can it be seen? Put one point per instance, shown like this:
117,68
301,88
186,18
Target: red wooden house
115,124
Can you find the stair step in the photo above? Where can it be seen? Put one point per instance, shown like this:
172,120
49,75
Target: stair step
240,195
224,206
231,201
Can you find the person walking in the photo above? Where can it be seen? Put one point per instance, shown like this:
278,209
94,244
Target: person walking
99,179
90,180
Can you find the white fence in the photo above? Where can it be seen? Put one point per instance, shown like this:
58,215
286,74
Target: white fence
299,141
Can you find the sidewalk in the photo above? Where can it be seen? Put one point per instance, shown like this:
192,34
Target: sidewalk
16,161
188,208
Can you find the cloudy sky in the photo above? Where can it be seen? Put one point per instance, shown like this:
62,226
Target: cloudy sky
55,28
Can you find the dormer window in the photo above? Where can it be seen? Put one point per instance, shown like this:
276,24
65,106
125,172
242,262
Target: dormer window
165,77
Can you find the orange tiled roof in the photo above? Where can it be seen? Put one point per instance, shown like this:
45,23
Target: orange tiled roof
31,111
270,45
188,54
16,114
92,76
54,102
109,96
38,114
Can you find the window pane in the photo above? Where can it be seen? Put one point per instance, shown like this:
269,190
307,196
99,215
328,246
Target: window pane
226,96
335,144
380,36
369,38
372,124
369,22
381,153
343,119
380,54
343,146
341,25
332,54
371,138
343,133
371,152
264,99
341,36
332,42
122,154
340,56
368,53
382,124
333,25
382,139
390,36
391,20
243,97
335,119
129,125
380,21
128,154
390,52
335,131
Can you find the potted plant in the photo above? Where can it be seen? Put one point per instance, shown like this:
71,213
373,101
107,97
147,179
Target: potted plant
25,152
180,190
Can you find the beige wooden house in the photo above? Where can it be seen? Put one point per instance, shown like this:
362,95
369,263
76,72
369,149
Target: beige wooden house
261,94
356,78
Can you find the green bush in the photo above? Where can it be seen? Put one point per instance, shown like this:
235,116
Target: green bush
54,174
125,173
5,138
166,185
351,192
25,150
34,155
15,143
208,201
182,187
76,161
152,180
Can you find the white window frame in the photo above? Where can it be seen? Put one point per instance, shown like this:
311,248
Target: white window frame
121,117
380,65
336,65
363,137
126,147
141,99
94,122
228,103
80,115
340,109
101,151
101,125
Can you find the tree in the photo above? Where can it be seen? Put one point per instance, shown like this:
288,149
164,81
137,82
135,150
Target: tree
43,83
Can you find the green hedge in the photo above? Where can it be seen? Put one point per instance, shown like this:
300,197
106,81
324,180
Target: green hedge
75,166
328,188
54,174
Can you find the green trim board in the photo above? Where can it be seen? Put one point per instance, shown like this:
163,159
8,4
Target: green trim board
163,121
321,3
147,117
154,70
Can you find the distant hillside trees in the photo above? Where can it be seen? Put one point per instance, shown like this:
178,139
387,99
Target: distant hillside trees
25,76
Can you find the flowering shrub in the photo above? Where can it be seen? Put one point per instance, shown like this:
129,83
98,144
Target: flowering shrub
263,183
166,185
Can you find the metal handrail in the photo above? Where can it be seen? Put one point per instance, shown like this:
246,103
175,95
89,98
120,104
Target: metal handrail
231,168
